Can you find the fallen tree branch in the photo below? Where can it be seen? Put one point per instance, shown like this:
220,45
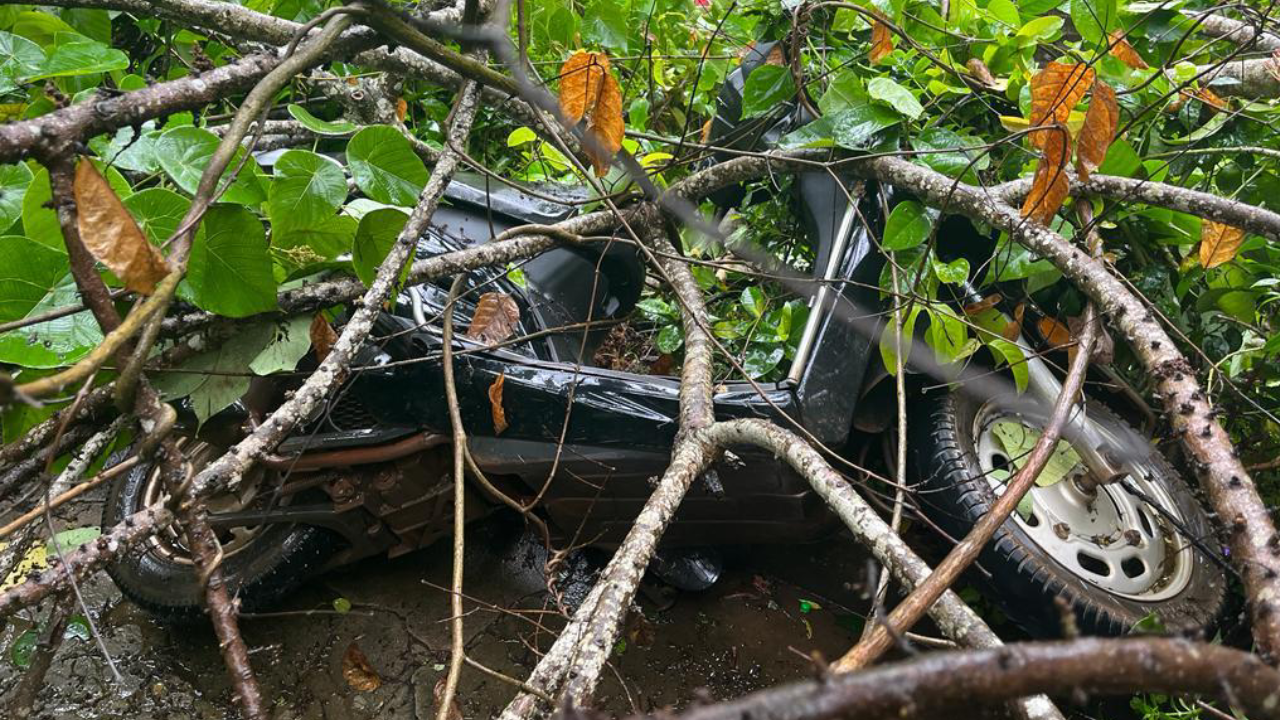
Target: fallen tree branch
946,683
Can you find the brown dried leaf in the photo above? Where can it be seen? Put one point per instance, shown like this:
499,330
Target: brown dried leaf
881,41
495,318
1014,328
1050,187
580,79
1218,243
1210,98
1104,348
495,400
1054,332
1124,52
1100,125
402,109
983,305
606,126
1055,91
980,72
357,671
322,337
110,234
775,56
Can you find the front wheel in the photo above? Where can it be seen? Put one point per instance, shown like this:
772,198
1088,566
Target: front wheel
260,564
1116,558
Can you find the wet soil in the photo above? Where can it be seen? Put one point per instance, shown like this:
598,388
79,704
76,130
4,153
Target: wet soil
773,611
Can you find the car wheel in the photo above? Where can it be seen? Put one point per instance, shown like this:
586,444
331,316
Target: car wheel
1116,559
260,564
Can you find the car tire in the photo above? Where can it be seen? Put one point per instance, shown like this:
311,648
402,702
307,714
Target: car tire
272,562
1023,577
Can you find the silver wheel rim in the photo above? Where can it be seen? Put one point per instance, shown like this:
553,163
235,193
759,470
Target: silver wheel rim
170,544
1115,540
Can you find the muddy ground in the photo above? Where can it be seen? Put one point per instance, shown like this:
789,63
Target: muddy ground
758,626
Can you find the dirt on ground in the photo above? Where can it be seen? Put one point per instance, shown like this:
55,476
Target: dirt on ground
774,610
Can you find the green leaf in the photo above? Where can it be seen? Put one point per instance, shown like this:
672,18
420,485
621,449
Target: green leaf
844,90
899,98
854,128
40,27
27,271
951,164
760,360
229,272
657,310
767,87
290,341
889,340
1017,359
1121,159
69,540
318,126
754,300
184,153
14,180
375,236
521,136
955,272
39,221
124,150
385,166
341,605
328,238
94,24
227,381
670,338
23,648
1041,28
1037,8
19,58
947,334
36,276
605,23
81,58
77,629
308,188
1093,19
909,225
157,211
1018,440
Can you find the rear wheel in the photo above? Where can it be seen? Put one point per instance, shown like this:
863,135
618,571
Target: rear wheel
260,564
1116,557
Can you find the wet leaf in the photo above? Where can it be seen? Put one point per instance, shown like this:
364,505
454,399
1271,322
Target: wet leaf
109,232
1055,91
1050,187
581,78
341,605
1219,243
357,671
322,336
1100,125
606,125
1124,52
495,318
881,42
22,648
495,402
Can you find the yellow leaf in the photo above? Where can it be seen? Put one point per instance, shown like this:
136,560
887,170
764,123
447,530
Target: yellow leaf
1055,92
1218,243
35,559
110,234
1100,125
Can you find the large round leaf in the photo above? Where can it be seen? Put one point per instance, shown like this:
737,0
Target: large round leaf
376,234
14,180
308,188
385,166
184,153
19,58
35,278
229,272
157,211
